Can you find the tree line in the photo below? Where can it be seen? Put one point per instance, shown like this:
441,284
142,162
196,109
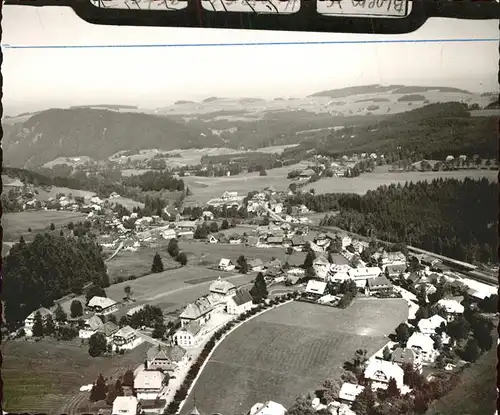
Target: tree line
460,216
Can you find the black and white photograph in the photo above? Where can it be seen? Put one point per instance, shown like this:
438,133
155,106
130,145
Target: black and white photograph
241,222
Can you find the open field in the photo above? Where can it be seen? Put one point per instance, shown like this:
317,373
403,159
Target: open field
17,224
289,351
42,376
479,384
211,254
206,188
381,177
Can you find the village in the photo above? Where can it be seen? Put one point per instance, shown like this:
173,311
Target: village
324,267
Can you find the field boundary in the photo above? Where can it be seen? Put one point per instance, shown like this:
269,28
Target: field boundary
193,384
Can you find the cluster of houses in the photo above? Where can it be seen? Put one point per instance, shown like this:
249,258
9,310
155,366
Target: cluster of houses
223,300
125,338
461,162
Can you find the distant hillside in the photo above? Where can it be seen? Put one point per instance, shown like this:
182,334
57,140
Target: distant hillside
107,106
98,134
375,89
433,131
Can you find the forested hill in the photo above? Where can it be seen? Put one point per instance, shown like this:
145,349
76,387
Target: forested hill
431,132
50,267
449,217
97,133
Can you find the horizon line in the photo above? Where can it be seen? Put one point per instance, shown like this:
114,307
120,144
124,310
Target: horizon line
248,44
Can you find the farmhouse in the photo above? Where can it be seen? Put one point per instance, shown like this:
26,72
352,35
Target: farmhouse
361,275
185,235
321,266
452,308
379,372
148,384
222,288
256,264
307,173
394,271
127,338
102,305
275,240
166,358
187,225
404,356
348,392
226,265
30,320
298,242
429,325
268,408
423,345
239,303
108,329
229,196
90,326
235,239
125,405
201,310
379,286
188,335
168,234
315,288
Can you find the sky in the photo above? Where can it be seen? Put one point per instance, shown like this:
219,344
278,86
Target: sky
36,79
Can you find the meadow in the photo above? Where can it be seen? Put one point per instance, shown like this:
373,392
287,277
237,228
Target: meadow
41,377
17,224
289,351
382,177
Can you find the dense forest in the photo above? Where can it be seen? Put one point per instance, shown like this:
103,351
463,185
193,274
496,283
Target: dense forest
449,217
46,269
154,180
432,132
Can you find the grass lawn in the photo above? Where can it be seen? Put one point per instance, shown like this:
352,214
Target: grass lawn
42,376
17,224
476,392
290,351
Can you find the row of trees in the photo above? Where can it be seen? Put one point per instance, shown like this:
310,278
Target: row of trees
154,181
459,218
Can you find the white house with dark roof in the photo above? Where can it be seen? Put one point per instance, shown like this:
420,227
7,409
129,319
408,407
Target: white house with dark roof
379,372
423,345
165,358
188,335
127,338
429,325
90,326
148,384
125,405
223,288
239,303
102,305
30,320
